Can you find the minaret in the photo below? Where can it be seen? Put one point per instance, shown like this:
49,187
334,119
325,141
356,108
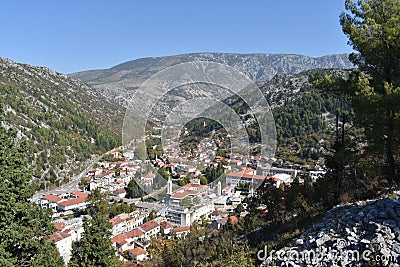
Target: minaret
219,188
169,186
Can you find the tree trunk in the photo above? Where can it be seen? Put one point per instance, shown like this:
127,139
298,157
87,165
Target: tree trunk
389,152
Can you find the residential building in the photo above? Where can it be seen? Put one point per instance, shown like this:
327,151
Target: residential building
150,228
138,253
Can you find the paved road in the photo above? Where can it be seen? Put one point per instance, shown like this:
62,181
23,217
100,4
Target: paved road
72,185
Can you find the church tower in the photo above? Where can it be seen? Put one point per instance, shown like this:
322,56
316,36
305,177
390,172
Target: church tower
169,187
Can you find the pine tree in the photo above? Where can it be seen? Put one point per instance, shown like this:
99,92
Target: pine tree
94,248
373,29
24,226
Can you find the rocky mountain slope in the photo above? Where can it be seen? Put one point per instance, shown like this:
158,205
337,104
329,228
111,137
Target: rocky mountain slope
118,82
366,233
64,119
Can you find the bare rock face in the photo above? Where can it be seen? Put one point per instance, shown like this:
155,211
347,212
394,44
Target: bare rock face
118,82
360,234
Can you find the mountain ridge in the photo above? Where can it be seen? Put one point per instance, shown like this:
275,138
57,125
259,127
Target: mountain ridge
117,82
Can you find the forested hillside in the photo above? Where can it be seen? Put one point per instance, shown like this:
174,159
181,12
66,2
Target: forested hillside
304,116
64,120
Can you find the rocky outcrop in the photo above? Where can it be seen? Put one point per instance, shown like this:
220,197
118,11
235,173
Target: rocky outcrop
360,234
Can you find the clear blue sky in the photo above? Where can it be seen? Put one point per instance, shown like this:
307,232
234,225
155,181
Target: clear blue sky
71,35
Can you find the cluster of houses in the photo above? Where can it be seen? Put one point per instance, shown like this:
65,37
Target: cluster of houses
178,209
68,202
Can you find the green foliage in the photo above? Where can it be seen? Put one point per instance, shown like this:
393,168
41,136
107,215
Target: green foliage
134,190
24,226
203,179
213,173
300,125
152,216
64,123
164,173
141,152
94,248
119,208
373,29
200,249
373,91
240,208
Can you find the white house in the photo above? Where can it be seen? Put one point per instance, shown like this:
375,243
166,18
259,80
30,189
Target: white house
138,253
63,243
150,228
181,231
283,178
118,225
72,204
49,202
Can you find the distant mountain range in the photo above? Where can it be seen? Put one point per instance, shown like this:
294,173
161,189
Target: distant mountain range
118,82
64,120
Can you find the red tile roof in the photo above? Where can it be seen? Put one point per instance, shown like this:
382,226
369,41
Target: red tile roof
246,173
234,219
134,233
120,191
116,220
149,176
189,189
138,251
52,198
59,225
72,201
181,229
80,194
150,225
119,239
166,225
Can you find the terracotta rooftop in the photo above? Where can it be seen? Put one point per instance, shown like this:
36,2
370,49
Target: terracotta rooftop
188,190
116,220
134,233
138,251
120,191
59,225
166,225
234,219
80,194
149,176
119,239
52,198
150,225
247,173
72,201
181,229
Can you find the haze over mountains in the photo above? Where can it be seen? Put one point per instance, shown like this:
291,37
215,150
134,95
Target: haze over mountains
118,82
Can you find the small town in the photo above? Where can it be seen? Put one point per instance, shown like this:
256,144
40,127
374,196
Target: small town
200,133
166,209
